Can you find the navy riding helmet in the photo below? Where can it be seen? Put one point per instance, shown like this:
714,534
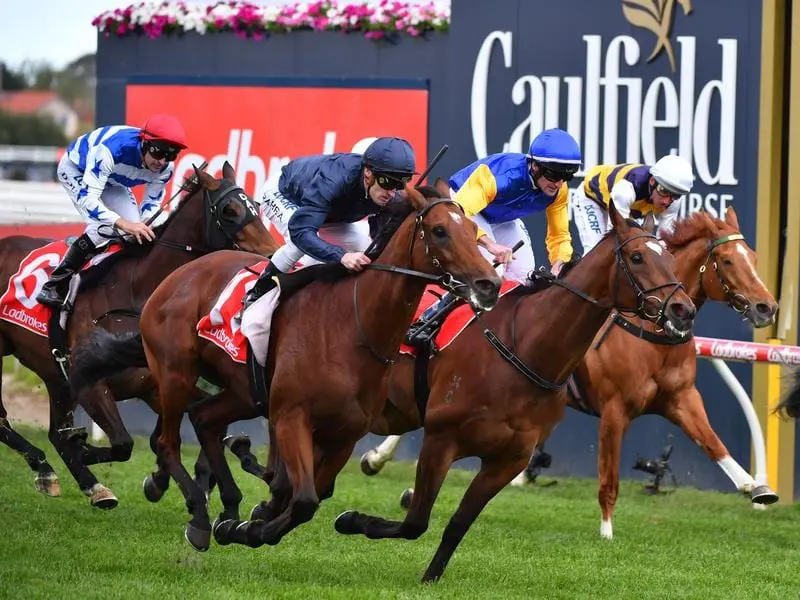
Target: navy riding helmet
391,156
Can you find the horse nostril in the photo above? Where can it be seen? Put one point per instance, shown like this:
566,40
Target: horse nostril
681,311
765,309
488,286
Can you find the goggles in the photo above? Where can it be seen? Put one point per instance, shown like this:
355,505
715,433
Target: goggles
390,182
165,151
662,191
564,174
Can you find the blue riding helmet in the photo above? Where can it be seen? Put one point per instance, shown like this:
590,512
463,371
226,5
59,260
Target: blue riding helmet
556,149
391,155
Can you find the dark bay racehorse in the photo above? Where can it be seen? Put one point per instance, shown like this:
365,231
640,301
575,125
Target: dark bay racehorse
345,330
214,214
623,376
481,404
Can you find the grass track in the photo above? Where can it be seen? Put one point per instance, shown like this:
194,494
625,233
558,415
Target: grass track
528,543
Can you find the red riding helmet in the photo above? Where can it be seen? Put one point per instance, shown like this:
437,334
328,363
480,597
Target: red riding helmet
165,128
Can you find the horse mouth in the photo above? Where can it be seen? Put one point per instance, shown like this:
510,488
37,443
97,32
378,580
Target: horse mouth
481,302
674,332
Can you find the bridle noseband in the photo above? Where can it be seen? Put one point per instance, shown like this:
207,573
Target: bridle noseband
736,301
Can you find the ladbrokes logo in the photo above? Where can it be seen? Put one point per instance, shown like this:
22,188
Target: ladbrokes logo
657,16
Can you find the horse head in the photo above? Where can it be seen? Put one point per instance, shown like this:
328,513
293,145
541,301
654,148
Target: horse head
438,238
716,258
644,281
226,218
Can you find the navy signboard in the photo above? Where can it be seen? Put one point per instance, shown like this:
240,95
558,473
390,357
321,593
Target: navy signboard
631,80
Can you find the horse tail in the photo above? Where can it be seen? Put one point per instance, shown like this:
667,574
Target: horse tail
103,355
790,405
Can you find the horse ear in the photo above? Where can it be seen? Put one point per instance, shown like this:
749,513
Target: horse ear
206,180
417,200
649,224
617,221
731,218
228,172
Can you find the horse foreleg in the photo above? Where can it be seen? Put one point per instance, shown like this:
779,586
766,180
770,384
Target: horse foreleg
492,477
613,423
686,410
372,461
157,483
435,458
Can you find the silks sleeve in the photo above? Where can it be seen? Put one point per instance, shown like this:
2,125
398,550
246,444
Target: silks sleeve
478,191
558,239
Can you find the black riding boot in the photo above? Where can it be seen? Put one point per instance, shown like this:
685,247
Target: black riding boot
262,285
421,329
54,291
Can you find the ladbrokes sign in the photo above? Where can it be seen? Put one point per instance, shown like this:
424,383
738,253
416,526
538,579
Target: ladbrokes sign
259,129
630,80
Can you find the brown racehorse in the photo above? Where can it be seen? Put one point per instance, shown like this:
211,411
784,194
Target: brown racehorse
345,330
624,377
214,214
483,405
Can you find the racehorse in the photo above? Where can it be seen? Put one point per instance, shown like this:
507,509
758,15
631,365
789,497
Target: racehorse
498,408
625,376
346,330
212,215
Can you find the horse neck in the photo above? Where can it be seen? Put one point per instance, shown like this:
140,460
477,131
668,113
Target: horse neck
186,228
689,259
556,327
387,301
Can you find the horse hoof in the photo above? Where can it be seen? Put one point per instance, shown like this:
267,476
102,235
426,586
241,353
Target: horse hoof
199,539
345,523
762,494
152,492
406,497
102,497
48,485
237,444
367,467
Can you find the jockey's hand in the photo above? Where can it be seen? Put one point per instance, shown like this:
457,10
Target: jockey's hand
556,267
138,230
355,261
502,254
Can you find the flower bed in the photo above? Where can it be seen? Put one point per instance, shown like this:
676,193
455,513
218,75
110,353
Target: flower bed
375,20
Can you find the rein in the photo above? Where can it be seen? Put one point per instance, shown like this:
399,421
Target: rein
445,280
643,297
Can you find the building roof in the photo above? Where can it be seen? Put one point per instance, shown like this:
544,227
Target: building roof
26,101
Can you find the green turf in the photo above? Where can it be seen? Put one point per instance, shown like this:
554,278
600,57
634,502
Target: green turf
534,542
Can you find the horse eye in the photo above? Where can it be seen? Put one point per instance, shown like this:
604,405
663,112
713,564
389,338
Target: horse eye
229,210
439,231
727,261
636,258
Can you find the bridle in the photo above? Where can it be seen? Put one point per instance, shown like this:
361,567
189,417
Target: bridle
445,279
735,300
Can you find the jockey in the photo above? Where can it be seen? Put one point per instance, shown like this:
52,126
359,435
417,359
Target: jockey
498,191
98,171
319,200
636,190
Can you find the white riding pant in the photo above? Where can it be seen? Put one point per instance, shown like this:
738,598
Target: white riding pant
277,210
508,234
117,198
590,219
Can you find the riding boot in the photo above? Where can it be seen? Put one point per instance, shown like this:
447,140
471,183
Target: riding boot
54,291
420,328
262,285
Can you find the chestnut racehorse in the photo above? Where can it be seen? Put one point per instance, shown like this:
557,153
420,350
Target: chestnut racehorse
345,330
214,214
482,404
623,376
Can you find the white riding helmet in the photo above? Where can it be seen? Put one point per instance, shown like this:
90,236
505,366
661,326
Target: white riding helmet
674,173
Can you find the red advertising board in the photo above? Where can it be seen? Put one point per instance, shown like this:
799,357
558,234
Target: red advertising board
259,129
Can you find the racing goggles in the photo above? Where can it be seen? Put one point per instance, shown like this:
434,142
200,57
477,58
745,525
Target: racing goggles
563,173
667,193
392,182
165,151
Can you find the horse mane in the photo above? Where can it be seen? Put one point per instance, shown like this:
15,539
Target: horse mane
688,229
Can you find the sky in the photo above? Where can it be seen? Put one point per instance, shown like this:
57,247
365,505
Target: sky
57,31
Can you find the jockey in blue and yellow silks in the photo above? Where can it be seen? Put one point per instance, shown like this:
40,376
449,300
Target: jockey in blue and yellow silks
636,190
498,191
